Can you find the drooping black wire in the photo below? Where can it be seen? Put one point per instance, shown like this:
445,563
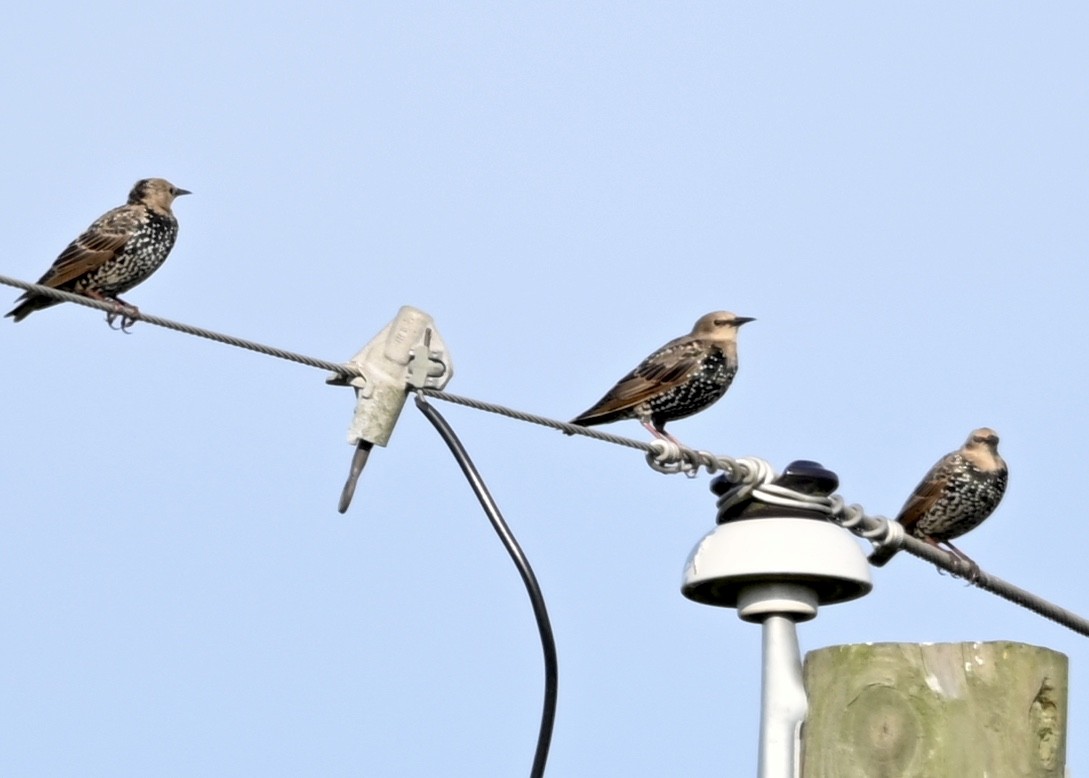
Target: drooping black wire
536,598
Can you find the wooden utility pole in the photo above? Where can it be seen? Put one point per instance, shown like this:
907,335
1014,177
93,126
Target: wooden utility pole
947,710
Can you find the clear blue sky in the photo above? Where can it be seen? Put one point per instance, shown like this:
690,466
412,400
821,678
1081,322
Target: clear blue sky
899,195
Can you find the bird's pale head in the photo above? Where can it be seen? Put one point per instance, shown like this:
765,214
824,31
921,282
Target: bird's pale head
720,324
983,438
981,449
155,193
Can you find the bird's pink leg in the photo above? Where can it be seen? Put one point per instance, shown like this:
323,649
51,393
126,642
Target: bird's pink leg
662,434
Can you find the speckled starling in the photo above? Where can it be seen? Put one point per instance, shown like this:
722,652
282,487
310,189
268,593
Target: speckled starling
121,249
681,378
956,496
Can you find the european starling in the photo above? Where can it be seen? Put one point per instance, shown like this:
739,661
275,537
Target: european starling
955,497
681,378
120,250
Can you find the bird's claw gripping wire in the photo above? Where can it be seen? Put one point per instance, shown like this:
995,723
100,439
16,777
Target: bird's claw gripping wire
965,569
129,314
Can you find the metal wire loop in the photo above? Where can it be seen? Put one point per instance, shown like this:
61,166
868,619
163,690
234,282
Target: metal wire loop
667,457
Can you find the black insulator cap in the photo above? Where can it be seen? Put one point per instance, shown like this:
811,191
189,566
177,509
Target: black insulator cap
801,475
808,477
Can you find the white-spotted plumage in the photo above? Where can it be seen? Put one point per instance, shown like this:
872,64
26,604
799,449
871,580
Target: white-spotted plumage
957,495
681,378
118,251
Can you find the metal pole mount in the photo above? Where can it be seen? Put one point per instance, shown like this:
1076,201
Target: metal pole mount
776,565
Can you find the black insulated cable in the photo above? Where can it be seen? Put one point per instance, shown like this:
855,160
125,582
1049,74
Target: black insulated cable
536,598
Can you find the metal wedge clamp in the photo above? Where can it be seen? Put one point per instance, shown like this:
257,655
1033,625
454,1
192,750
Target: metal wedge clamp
407,354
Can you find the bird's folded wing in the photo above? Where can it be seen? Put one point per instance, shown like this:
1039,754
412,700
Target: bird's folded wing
92,249
668,368
925,495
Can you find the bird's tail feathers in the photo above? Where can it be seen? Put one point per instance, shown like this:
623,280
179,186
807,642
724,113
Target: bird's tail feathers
27,305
